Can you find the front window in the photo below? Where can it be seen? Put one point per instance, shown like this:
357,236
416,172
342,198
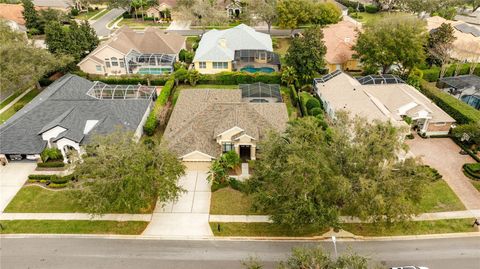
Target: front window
220,65
122,63
107,62
202,65
226,147
99,68
114,61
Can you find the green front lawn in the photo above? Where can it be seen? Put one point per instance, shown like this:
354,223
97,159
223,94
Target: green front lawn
35,199
439,197
365,17
72,227
94,14
23,101
139,24
261,229
411,228
362,229
228,201
10,99
476,184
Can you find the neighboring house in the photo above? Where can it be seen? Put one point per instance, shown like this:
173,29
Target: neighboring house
152,51
240,48
384,98
68,112
162,10
466,46
206,123
12,12
64,5
234,9
16,27
465,88
339,39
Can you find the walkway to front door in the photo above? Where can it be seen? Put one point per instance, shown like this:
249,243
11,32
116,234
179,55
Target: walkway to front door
187,217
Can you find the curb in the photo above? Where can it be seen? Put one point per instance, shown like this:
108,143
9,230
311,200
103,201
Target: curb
244,238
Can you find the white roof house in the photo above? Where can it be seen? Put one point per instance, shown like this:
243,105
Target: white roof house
220,45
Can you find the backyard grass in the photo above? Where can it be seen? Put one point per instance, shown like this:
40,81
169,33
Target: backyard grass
292,111
35,199
139,24
94,14
72,227
476,184
10,99
228,201
439,197
23,101
372,17
190,41
201,86
261,229
411,228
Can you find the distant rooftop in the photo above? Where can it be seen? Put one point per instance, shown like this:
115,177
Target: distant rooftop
462,82
380,79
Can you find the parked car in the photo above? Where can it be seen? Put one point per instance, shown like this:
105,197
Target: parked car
409,267
16,157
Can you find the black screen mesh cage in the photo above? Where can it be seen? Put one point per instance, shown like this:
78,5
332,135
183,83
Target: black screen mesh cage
100,90
380,79
261,90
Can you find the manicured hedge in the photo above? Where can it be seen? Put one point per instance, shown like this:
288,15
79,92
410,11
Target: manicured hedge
50,178
150,124
233,78
457,109
472,169
371,8
432,74
293,95
155,80
352,4
166,91
50,164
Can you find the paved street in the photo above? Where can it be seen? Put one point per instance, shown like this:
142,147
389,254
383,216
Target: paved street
100,25
187,217
443,154
274,32
12,178
72,253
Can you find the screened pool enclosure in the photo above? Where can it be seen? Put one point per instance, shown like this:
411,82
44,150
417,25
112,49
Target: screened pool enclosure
261,93
100,90
149,63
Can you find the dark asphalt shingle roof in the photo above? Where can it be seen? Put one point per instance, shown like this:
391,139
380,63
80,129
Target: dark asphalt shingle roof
65,103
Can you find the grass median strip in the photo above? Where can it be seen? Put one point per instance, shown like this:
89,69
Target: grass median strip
23,101
72,227
261,229
362,229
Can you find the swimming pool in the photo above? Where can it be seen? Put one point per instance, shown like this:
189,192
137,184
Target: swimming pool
153,71
251,69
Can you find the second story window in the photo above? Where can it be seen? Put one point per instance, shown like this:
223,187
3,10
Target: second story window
114,61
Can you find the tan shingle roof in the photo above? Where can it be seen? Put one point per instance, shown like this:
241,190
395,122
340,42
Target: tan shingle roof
339,39
201,114
12,12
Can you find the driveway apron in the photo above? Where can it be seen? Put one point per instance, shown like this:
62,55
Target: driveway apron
12,178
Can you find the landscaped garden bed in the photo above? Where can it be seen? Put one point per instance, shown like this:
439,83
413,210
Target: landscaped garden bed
72,227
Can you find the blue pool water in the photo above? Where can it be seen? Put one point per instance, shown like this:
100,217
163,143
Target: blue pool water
153,71
251,69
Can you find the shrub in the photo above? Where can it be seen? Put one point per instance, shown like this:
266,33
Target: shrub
127,15
181,74
193,77
351,10
44,82
57,185
51,165
352,4
59,180
181,55
74,12
40,177
435,174
312,103
166,91
17,107
431,75
236,184
149,18
51,154
234,78
189,57
472,169
293,95
150,124
315,111
460,111
371,9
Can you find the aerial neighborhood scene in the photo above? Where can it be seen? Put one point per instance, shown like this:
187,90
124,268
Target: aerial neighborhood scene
240,134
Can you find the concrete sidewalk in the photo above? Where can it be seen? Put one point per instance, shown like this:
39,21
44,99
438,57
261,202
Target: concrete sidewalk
74,216
345,219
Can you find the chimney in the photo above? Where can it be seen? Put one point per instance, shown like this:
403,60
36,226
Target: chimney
222,42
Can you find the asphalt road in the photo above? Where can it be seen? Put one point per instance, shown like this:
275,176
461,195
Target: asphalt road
100,25
50,252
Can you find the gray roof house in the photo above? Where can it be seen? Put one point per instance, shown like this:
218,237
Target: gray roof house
69,111
207,122
465,88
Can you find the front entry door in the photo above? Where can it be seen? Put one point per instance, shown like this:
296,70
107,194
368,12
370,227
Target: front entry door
245,151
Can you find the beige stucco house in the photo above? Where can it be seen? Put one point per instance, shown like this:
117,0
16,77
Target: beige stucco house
152,51
208,122
383,98
339,39
162,10
240,48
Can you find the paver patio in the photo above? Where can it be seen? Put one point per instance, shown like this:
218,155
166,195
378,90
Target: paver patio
443,155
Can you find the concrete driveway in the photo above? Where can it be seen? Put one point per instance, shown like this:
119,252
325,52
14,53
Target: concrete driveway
12,178
187,217
443,155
